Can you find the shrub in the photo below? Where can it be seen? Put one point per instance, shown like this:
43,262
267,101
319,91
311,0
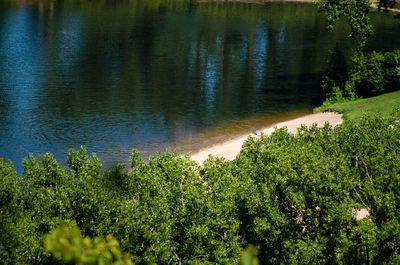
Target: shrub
371,75
375,74
294,198
68,245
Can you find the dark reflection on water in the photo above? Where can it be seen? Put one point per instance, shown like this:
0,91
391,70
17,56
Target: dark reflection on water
117,75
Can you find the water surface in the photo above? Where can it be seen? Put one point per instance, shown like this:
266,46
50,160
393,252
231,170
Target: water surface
117,75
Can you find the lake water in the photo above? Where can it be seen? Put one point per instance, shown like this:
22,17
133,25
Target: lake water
117,75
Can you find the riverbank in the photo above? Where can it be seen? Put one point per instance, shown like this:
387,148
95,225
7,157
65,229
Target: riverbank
256,1
230,149
383,105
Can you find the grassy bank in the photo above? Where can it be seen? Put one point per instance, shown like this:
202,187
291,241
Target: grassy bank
382,105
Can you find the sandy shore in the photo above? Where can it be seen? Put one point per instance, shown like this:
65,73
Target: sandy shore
230,149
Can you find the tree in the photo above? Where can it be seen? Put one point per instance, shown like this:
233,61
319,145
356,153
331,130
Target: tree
372,74
357,14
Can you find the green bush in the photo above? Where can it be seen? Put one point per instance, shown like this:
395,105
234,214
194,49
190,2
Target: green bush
371,75
68,245
375,74
294,198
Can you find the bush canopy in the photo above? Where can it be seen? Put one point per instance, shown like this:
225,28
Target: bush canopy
295,198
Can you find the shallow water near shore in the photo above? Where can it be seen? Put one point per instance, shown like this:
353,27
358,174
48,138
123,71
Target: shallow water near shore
117,75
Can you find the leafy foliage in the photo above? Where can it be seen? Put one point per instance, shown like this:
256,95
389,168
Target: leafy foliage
355,12
375,74
294,198
68,245
371,75
10,211
249,256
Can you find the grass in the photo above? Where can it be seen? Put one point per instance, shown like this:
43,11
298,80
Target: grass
383,105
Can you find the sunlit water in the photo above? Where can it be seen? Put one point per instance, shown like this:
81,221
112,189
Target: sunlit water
117,75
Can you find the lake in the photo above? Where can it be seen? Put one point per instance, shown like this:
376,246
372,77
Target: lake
117,75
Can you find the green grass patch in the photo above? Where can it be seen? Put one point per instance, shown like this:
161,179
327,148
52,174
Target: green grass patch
382,105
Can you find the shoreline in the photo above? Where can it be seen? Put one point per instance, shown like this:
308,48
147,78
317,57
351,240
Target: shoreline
374,4
254,1
231,148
